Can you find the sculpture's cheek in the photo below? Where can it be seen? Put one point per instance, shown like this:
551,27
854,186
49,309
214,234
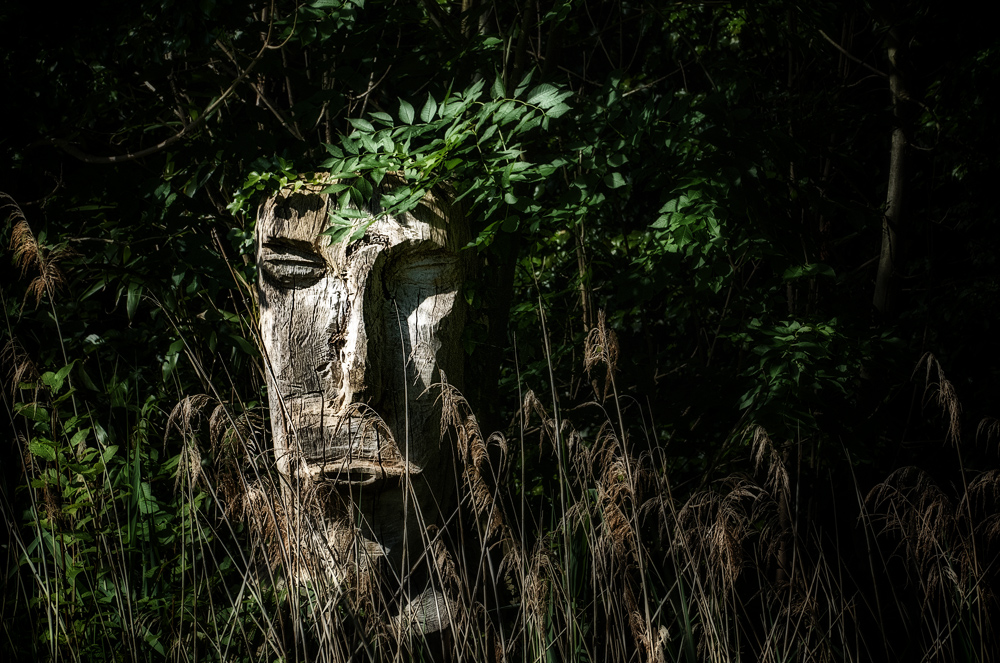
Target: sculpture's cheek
296,333
428,328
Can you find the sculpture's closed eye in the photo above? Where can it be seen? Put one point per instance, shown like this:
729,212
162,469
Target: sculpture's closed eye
291,263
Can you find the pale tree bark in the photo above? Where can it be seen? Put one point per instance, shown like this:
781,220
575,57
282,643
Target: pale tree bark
357,338
890,256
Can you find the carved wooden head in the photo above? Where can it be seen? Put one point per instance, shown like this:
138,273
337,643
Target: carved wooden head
356,336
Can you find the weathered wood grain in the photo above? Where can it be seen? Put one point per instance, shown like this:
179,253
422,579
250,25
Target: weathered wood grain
355,338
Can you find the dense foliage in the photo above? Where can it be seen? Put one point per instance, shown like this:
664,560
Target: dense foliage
715,178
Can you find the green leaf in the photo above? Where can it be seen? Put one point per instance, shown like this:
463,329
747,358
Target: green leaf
804,271
544,95
558,110
385,141
528,121
338,234
406,113
363,125
79,436
85,378
428,111
145,501
171,357
362,192
614,180
54,380
506,112
615,160
43,450
245,346
132,301
335,188
33,412
525,82
490,130
498,91
368,143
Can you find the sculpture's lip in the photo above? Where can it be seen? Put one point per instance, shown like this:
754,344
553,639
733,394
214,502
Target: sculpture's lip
358,471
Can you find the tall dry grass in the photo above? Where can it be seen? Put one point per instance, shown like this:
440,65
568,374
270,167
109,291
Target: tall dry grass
626,568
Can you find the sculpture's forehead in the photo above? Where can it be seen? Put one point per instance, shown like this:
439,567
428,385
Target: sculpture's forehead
304,215
296,216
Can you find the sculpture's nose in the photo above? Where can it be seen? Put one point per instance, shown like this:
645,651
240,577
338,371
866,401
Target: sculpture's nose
359,351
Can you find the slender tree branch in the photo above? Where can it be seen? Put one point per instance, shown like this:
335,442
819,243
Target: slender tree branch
851,57
74,151
650,84
290,126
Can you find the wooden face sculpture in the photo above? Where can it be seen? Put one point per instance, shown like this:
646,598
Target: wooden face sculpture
356,336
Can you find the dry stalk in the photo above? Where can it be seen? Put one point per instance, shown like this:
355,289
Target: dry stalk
766,456
942,391
474,455
912,507
601,347
186,418
30,254
20,368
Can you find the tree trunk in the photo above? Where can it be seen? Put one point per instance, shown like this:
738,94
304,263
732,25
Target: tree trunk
890,257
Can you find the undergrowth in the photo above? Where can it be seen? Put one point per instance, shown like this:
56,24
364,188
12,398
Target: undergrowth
159,529
176,541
